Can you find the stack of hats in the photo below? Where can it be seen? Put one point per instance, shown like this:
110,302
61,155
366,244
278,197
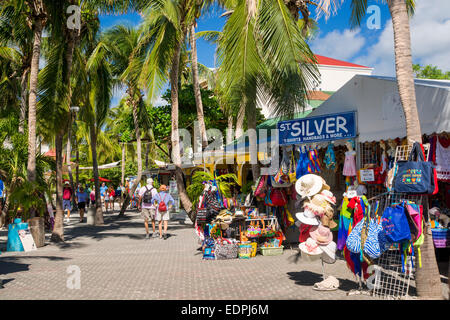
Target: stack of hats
317,212
223,219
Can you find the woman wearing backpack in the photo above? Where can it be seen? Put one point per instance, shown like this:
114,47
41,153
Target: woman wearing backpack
162,200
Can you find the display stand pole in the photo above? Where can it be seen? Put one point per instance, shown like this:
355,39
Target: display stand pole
323,269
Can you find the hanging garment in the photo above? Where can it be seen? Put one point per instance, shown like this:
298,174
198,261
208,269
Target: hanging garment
442,160
349,164
330,157
345,220
302,164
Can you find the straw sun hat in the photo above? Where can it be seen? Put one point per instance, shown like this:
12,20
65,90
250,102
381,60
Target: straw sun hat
310,184
307,217
310,247
329,252
321,234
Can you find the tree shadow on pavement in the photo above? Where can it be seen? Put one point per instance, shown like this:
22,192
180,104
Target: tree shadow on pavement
122,226
308,278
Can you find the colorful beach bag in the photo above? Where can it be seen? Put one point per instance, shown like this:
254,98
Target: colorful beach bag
416,175
395,224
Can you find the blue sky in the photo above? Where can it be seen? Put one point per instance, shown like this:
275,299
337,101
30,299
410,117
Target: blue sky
430,28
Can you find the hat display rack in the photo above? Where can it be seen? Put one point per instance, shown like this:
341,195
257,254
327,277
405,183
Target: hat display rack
318,213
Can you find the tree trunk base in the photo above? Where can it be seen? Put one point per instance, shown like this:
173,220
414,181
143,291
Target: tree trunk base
37,230
56,238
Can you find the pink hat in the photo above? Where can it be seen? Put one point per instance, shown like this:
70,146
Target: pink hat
310,247
328,196
321,234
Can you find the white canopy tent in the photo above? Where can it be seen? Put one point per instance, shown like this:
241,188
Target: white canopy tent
104,166
379,110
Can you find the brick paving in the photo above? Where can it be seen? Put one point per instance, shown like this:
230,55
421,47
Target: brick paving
116,262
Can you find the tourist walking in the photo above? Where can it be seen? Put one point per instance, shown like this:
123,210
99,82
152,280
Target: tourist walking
111,196
67,196
103,193
162,201
145,204
82,199
92,195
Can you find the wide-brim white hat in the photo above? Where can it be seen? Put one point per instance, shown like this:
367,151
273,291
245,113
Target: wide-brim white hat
310,247
310,184
329,252
307,217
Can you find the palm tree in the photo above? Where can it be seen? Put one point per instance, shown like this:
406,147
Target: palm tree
427,277
165,28
16,46
262,49
119,45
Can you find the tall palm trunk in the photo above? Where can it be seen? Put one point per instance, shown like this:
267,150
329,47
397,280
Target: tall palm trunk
135,105
123,164
176,156
31,165
230,134
240,123
68,157
404,70
427,278
197,92
98,201
253,143
58,229
23,100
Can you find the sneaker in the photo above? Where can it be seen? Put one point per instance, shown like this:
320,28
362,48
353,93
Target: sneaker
165,237
67,220
147,236
154,235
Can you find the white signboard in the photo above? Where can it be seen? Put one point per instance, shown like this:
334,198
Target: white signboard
367,175
27,240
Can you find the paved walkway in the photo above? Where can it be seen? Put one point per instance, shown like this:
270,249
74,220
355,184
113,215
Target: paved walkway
116,262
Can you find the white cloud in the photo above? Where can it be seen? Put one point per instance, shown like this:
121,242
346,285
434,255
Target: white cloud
339,44
160,102
430,43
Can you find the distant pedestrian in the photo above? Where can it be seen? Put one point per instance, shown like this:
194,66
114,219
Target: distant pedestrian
162,201
67,196
93,196
146,194
111,196
88,191
82,198
103,190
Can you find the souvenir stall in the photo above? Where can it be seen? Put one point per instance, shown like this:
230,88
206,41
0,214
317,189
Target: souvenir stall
230,229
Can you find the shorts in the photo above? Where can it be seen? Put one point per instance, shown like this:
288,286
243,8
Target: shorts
81,205
164,216
67,205
148,213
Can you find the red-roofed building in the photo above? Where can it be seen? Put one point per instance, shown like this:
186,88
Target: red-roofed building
335,73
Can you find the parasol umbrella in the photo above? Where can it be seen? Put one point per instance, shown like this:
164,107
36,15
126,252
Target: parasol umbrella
101,179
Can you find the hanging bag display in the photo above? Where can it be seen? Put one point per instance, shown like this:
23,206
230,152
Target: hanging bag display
226,249
415,175
292,173
201,210
395,224
261,187
353,241
278,198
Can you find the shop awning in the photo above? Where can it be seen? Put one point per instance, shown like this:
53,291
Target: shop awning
379,111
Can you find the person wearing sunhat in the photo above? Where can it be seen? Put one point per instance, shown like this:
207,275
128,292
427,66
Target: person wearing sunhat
162,210
67,196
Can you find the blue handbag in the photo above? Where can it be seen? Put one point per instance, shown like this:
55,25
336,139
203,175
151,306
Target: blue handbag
353,242
395,224
372,245
415,175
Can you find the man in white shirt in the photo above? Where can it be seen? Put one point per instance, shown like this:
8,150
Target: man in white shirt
148,209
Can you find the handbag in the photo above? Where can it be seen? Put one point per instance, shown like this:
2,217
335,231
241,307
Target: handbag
372,245
261,187
225,249
353,241
278,198
415,175
292,173
395,224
